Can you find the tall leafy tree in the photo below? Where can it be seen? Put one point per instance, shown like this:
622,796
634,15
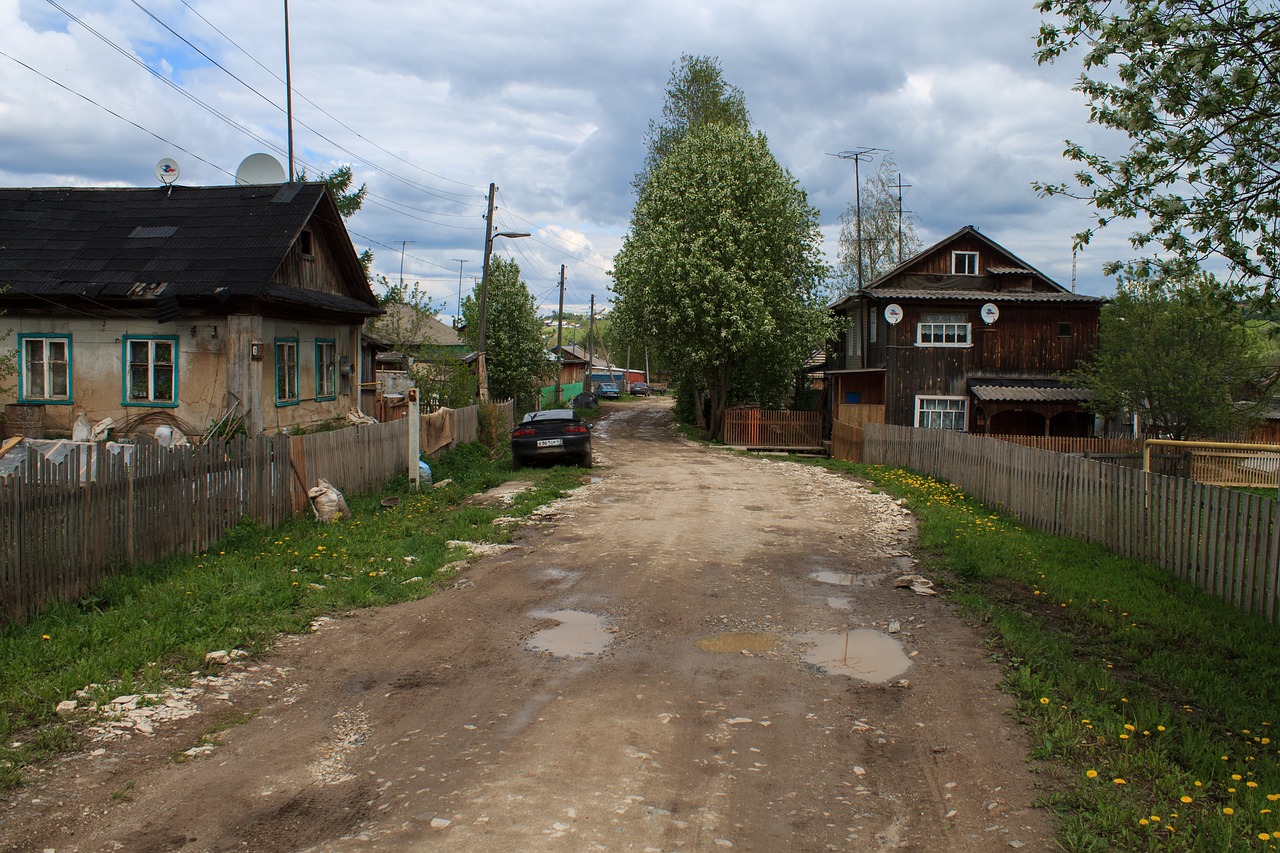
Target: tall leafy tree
1196,87
697,94
517,359
1179,349
888,236
721,270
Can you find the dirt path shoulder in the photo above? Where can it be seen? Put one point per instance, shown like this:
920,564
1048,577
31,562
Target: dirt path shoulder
695,651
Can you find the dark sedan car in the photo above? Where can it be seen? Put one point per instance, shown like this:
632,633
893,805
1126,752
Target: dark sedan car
556,435
639,389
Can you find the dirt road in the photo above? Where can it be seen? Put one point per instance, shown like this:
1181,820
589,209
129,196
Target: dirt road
695,651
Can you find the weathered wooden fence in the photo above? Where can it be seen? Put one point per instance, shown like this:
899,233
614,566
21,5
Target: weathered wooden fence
65,527
773,429
1083,446
1224,541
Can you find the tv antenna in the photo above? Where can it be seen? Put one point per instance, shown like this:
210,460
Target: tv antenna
857,155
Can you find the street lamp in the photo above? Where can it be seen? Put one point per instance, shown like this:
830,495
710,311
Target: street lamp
489,234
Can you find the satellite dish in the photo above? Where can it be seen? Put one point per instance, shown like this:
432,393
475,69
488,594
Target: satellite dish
259,169
893,313
990,313
167,171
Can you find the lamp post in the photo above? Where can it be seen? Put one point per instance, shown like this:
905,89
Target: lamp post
481,365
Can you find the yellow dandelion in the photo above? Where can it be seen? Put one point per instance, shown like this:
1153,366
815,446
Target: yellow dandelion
1228,810
1128,728
45,637
1119,781
1236,777
1264,836
1251,784
1044,700
1159,728
1092,774
1143,821
1185,798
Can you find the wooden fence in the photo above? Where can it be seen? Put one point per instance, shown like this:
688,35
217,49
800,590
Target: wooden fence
1224,541
773,429
65,527
1082,446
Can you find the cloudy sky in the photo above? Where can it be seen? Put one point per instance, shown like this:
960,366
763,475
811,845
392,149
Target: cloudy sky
432,101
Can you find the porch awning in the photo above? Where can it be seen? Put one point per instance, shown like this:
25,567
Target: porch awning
1029,393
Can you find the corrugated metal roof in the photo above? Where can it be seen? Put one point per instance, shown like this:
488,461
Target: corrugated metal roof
891,295
1010,271
1028,393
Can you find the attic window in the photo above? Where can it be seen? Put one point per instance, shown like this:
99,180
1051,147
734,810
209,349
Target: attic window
306,244
964,263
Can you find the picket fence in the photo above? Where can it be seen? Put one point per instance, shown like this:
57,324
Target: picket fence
66,527
1224,541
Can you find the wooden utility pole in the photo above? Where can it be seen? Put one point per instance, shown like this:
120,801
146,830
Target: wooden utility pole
560,338
591,327
482,369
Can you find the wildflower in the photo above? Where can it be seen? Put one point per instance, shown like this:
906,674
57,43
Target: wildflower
1264,836
1236,777
1159,728
1198,784
1119,781
1228,810
1185,798
1251,784
1092,774
1273,797
1044,700
1143,821
1128,727
45,637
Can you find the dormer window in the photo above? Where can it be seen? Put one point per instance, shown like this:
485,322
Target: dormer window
964,263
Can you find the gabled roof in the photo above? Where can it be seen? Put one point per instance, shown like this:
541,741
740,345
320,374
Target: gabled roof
905,281
173,243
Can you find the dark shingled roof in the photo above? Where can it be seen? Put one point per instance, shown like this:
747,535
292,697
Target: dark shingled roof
167,244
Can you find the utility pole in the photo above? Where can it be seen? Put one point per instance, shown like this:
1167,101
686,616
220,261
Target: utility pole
457,309
403,243
482,368
560,338
591,327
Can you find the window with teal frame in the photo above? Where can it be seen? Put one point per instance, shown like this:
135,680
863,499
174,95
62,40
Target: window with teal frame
44,369
286,371
150,371
326,369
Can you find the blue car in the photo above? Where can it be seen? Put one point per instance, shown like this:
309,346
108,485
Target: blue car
608,391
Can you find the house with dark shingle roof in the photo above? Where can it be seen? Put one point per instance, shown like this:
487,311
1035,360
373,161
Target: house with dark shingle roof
965,336
180,306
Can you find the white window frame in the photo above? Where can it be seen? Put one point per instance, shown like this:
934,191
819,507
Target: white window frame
967,266
154,367
939,416
50,369
286,350
935,334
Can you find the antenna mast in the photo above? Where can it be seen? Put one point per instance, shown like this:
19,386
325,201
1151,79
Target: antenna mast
288,86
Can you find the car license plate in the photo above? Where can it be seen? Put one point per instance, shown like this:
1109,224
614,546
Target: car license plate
551,442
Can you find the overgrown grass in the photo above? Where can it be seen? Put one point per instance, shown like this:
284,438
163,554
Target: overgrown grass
1154,707
151,627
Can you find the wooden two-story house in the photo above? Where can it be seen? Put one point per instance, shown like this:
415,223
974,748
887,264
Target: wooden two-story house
964,336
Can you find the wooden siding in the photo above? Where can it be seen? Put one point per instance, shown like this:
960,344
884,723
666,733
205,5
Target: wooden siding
1224,541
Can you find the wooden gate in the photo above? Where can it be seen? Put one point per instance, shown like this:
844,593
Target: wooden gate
773,429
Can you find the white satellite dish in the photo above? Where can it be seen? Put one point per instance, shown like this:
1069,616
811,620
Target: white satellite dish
990,313
167,171
259,169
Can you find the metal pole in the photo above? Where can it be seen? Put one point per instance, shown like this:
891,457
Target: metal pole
457,309
288,86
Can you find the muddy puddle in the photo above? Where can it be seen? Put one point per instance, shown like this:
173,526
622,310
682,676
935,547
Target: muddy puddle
578,635
861,653
834,578
757,643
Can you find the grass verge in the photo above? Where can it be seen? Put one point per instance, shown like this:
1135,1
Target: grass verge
150,627
1153,707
